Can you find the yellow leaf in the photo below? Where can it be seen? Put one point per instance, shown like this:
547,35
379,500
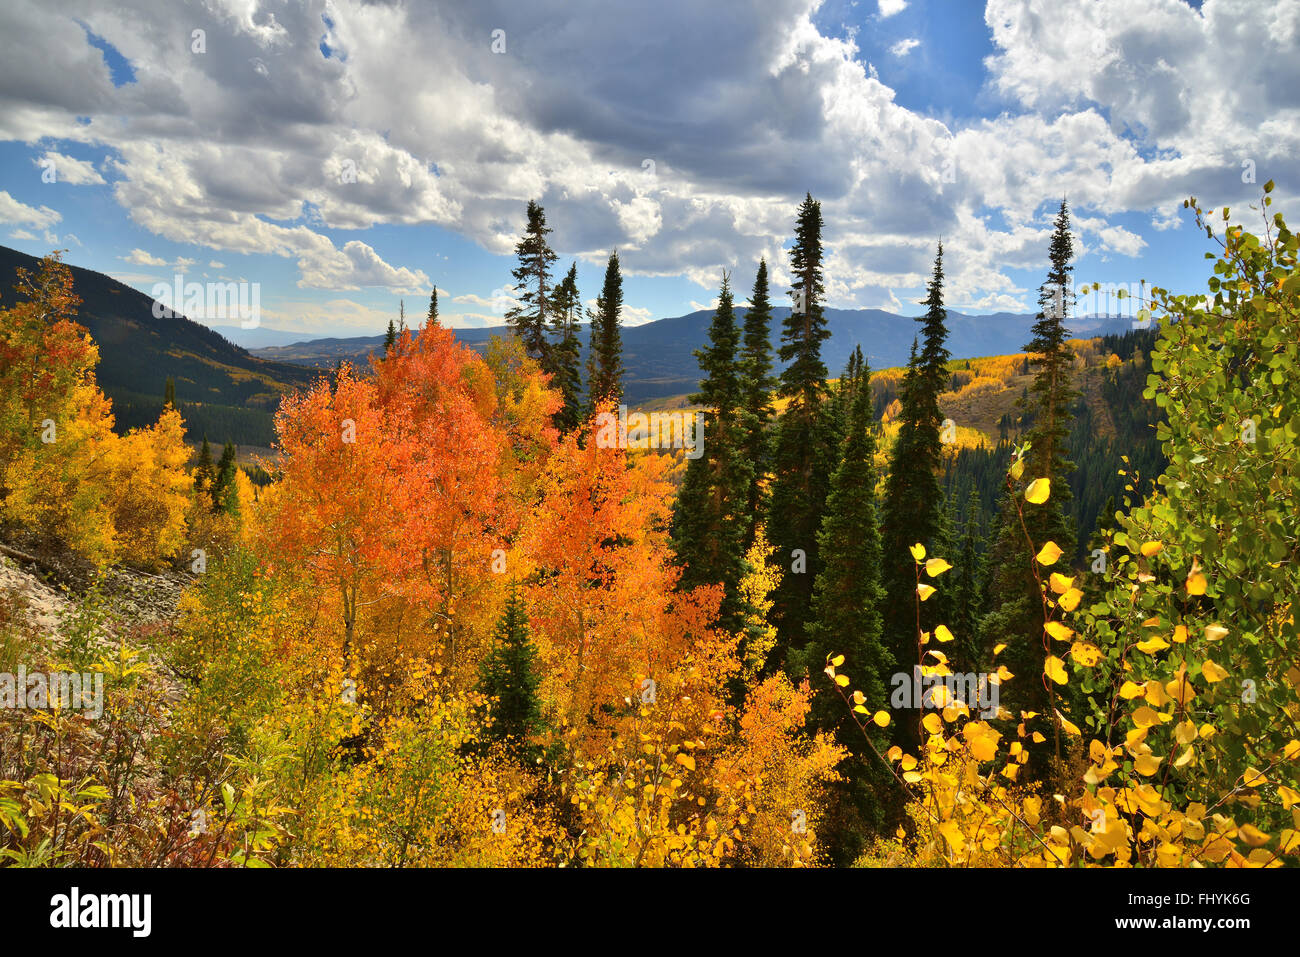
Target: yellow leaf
1068,725
1212,672
1048,554
1156,693
1146,764
1059,631
1196,584
1252,835
1146,717
925,591
1070,600
1055,669
1180,634
837,660
1038,491
983,747
1180,690
686,761
998,648
918,551
1033,807
1215,632
952,834
1152,645
842,680
1152,548
1130,690
935,567
932,723
881,718
942,633
1085,653
1060,583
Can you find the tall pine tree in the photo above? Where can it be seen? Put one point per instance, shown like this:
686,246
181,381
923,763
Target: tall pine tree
605,357
804,453
846,620
432,318
565,351
708,530
1015,616
532,284
756,384
913,498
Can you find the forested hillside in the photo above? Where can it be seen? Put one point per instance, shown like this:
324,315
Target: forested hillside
1027,610
224,392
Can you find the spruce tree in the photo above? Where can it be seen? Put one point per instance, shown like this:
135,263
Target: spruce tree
510,676
230,492
913,498
390,339
846,620
1052,394
565,352
804,450
934,335
756,383
605,357
532,283
205,477
708,527
225,472
432,318
847,595
1015,616
839,403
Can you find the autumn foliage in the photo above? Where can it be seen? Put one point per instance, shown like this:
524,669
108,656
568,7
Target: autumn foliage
320,698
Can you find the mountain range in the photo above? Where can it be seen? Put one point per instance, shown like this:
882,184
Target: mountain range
229,392
659,356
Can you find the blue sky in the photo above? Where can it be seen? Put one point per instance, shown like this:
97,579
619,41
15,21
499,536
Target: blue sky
683,134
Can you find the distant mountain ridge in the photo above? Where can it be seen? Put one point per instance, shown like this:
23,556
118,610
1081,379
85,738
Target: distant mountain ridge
230,393
659,355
